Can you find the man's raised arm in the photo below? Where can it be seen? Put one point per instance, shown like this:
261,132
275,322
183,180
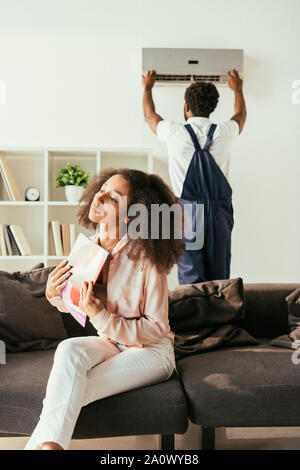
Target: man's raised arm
148,104
236,84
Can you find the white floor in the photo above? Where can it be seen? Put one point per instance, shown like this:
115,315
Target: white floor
226,438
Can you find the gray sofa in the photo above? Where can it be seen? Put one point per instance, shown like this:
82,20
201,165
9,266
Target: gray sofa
157,409
233,386
251,386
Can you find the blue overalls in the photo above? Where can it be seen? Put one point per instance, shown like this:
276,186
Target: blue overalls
206,184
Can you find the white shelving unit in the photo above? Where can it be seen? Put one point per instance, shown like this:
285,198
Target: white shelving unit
40,167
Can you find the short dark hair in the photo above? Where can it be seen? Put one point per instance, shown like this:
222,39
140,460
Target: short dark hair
201,98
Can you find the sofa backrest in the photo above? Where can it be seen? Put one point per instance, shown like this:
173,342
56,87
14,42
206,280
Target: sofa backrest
266,313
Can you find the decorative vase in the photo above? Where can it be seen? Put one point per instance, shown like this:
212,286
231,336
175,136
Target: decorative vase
73,193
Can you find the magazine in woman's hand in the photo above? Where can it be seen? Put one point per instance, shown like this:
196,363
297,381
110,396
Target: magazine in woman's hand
87,259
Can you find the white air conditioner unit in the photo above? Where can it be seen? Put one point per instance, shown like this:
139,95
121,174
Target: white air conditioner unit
183,66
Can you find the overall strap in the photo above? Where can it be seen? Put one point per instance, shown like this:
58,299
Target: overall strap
210,136
193,136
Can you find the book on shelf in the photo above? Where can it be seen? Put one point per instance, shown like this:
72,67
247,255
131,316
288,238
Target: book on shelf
72,235
3,179
20,239
14,246
7,240
56,232
51,246
9,180
87,259
65,232
2,241
61,238
13,241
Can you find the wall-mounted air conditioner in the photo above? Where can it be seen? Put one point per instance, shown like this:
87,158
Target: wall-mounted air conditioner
183,66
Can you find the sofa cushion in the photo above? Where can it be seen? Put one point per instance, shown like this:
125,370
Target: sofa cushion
154,409
266,314
206,304
293,306
293,303
249,386
27,320
203,316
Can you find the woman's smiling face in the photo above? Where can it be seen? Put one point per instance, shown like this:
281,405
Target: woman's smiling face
109,201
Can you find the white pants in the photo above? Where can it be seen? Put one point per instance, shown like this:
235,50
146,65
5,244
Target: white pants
86,369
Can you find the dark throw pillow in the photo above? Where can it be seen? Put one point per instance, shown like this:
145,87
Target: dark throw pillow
206,304
203,316
27,320
293,306
293,302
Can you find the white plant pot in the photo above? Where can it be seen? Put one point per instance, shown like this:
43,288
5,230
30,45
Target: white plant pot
73,193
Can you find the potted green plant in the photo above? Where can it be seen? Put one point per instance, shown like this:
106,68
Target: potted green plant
74,179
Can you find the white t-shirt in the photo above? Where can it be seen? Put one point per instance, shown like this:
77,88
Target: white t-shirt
181,148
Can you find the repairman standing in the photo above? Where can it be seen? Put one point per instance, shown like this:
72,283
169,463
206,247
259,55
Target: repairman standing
199,156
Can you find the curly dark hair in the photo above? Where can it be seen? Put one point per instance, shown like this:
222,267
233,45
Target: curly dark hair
146,189
201,98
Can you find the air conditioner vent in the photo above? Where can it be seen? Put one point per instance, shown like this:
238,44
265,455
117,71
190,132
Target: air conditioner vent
163,77
173,78
207,78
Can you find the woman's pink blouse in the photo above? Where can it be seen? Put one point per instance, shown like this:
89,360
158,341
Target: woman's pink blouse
137,301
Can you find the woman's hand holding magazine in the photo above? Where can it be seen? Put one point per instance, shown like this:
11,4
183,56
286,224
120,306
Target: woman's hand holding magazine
88,303
87,259
56,279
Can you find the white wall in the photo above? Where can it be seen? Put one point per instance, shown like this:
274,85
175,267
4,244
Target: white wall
72,69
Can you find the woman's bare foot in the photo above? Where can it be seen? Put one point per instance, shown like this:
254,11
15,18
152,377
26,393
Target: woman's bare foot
49,446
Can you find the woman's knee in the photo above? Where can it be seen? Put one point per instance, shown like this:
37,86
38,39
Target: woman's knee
68,348
86,351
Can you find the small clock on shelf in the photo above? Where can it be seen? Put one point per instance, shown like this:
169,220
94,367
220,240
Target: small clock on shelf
32,194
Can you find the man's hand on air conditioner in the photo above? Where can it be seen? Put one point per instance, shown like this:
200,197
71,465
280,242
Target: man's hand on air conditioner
234,82
148,80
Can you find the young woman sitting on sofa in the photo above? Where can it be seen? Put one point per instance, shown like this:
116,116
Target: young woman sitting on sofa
134,346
